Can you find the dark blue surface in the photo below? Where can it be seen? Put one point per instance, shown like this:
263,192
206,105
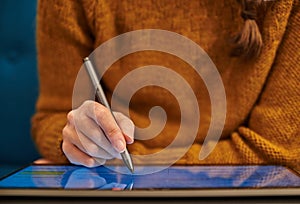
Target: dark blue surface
18,80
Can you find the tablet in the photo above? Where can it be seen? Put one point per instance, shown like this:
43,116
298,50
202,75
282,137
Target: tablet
175,181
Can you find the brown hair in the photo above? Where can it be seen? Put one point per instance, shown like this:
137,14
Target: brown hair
248,42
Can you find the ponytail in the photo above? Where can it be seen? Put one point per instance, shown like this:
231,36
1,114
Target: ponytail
248,42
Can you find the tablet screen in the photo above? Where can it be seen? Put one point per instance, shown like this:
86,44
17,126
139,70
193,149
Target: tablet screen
174,177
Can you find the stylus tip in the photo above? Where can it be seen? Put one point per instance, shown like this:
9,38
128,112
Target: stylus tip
127,160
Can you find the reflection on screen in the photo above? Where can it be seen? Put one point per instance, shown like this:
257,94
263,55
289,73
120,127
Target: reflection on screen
176,177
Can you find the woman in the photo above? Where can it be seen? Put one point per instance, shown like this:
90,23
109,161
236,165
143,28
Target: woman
254,44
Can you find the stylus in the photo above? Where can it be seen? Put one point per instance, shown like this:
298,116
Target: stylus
102,98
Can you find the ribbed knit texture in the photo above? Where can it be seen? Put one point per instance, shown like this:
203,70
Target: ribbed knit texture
263,97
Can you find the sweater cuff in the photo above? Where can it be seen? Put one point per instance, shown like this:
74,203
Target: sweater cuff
49,138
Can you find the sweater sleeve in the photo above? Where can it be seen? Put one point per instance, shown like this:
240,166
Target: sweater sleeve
272,132
64,37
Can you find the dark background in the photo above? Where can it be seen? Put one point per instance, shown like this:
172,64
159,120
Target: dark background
18,80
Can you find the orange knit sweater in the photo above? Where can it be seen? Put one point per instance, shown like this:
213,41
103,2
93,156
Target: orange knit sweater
263,95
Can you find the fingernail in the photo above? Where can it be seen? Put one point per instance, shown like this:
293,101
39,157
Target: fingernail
120,146
129,139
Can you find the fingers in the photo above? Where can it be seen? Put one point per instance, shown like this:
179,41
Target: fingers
93,139
126,126
92,135
78,157
83,143
103,117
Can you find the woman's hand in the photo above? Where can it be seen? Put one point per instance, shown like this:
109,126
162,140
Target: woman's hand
91,135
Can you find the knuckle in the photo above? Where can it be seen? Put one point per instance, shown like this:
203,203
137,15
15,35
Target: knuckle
86,107
70,116
101,113
86,103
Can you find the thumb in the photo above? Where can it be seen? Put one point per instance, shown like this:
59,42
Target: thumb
126,125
